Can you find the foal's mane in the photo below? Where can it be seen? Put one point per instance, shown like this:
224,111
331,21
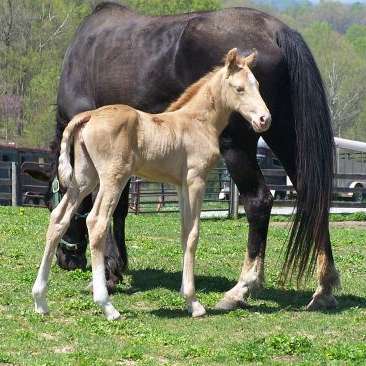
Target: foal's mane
190,92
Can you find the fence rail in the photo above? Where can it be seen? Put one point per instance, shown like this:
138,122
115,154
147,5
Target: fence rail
17,188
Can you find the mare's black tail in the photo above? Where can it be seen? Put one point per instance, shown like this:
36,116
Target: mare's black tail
315,151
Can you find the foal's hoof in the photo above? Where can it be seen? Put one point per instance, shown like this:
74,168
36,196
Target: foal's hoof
111,312
322,302
197,310
40,306
227,304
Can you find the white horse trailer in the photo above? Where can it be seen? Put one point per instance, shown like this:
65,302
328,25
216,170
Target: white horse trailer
350,159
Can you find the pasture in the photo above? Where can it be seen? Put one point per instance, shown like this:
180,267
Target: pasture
155,328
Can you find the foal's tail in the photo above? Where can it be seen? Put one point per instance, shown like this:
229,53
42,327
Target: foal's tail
315,154
64,165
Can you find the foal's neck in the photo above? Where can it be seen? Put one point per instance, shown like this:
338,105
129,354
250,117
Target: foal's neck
208,106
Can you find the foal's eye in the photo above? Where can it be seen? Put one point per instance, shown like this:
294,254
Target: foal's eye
239,89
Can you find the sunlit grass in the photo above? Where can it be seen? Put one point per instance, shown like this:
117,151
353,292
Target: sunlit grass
155,328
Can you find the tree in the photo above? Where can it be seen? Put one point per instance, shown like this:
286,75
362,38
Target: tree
344,74
33,37
356,35
160,7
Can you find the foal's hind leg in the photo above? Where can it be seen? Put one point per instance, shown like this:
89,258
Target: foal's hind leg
98,222
116,259
59,222
83,182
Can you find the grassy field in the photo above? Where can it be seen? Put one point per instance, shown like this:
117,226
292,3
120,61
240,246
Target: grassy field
155,329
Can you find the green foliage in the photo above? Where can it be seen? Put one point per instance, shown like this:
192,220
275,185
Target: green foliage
31,60
356,34
33,43
160,7
344,74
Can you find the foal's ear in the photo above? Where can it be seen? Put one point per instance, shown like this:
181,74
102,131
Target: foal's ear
231,60
251,59
231,56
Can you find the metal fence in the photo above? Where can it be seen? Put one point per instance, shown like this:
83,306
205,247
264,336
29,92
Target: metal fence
149,197
17,188
8,181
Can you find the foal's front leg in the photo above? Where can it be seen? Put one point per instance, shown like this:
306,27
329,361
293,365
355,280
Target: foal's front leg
191,202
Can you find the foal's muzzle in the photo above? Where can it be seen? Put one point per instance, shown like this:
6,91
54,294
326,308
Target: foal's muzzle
262,123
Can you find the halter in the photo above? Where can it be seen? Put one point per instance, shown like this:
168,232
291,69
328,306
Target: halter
55,200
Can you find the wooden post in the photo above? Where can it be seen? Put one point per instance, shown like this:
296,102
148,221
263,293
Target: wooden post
234,200
14,185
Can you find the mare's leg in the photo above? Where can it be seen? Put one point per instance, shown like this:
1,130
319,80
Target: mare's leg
116,260
191,198
328,279
239,147
59,222
98,222
257,203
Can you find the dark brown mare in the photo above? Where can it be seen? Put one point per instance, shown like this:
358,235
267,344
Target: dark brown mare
168,53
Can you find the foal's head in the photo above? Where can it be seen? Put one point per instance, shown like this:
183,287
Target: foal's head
241,91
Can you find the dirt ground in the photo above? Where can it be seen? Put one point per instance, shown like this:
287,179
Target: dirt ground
333,224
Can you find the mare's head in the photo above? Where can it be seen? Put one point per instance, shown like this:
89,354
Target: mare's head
241,90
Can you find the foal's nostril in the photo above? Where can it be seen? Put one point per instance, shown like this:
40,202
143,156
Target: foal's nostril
262,120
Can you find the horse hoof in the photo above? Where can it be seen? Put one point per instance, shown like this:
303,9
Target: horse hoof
230,304
40,306
111,312
198,310
322,302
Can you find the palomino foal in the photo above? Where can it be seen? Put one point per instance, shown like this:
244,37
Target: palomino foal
179,147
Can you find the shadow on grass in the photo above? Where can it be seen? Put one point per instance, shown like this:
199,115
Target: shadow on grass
147,279
286,299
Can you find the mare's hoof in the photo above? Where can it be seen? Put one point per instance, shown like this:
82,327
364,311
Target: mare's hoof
322,302
227,304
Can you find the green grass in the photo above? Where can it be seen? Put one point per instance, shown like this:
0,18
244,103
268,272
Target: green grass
155,329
